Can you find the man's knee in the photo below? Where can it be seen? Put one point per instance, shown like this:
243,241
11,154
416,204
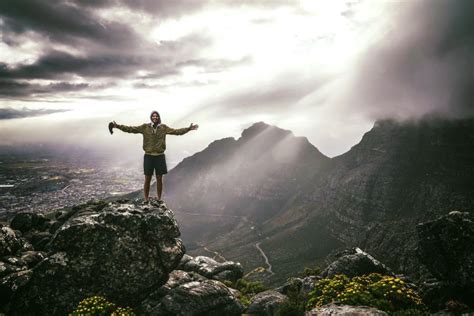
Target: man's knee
159,177
148,179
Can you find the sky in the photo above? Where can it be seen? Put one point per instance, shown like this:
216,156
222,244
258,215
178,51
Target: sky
326,70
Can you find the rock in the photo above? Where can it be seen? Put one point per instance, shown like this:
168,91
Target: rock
355,264
301,286
333,309
446,248
11,243
27,221
436,293
11,283
212,269
266,303
39,239
191,294
122,250
31,258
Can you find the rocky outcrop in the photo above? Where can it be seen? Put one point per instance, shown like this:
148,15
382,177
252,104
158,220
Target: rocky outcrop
266,303
212,269
355,262
122,250
446,248
191,294
345,310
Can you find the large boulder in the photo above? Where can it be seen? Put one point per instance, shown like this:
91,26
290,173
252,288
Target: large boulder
122,250
188,294
345,310
446,248
266,303
212,269
355,262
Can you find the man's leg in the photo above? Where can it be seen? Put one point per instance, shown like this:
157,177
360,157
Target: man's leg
159,185
146,187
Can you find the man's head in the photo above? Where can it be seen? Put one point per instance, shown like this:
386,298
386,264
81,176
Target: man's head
155,117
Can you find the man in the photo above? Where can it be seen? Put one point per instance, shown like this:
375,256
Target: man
154,145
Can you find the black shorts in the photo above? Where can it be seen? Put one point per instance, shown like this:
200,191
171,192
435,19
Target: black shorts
153,164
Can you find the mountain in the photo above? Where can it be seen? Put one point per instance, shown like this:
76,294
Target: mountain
277,191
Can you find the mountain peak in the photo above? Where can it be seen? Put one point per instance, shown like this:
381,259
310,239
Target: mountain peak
261,127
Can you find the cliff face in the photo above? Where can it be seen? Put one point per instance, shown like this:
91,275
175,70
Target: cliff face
271,187
399,175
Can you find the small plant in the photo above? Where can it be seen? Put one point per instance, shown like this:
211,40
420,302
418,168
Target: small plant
99,306
246,288
310,272
383,292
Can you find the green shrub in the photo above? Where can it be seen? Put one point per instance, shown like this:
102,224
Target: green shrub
246,288
309,272
383,292
99,306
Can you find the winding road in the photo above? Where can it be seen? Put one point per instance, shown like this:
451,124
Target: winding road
269,269
218,255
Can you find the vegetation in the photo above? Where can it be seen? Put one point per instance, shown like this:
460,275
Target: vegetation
246,288
99,306
310,272
384,292
295,306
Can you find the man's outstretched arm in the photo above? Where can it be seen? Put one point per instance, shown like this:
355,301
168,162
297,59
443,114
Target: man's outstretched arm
130,129
181,131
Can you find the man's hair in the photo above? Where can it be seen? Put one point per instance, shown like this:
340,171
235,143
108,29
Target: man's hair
159,117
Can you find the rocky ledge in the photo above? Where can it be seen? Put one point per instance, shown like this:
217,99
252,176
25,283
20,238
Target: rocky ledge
123,250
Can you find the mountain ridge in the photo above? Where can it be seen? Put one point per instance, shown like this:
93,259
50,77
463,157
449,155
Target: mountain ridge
300,205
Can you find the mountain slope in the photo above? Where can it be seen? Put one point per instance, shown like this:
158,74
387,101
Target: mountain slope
272,188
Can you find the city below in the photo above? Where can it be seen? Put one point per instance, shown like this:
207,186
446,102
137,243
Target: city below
50,182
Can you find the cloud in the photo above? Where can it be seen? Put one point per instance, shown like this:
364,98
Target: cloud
12,88
9,113
59,21
423,65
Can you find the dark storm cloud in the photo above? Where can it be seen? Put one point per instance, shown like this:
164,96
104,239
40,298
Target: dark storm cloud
9,113
14,89
60,21
424,65
103,48
63,65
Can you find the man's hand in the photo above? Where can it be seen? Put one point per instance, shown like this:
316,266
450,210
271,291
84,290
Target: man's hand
111,127
193,126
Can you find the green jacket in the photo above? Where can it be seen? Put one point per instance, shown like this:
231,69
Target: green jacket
154,140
